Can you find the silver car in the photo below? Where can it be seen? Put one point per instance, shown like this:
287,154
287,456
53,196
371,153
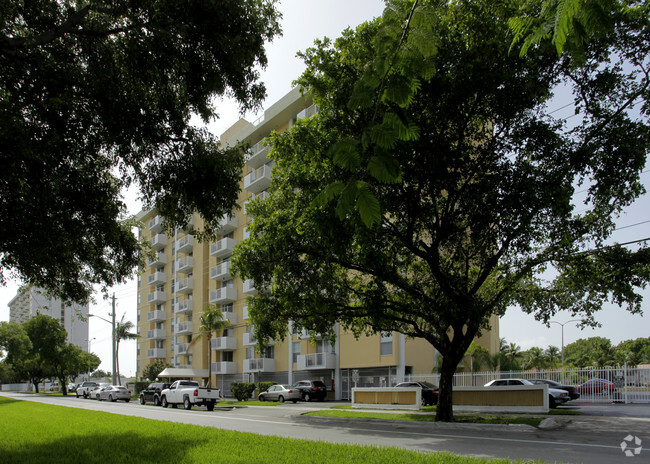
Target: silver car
114,393
280,393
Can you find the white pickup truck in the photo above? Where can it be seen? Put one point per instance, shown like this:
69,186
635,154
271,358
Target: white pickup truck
188,393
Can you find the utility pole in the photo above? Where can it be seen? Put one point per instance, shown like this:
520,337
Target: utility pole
114,342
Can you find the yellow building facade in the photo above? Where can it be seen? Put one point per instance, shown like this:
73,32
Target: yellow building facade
186,276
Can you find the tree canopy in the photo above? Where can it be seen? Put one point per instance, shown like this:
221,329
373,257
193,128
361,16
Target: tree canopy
434,188
95,96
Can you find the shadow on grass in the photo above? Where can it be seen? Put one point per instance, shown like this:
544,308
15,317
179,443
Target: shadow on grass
90,448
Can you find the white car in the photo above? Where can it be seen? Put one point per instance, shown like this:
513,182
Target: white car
555,396
114,393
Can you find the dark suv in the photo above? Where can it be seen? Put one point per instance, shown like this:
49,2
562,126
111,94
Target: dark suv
151,394
311,389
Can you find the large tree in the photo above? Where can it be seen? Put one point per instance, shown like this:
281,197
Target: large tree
434,189
48,339
99,94
122,332
71,361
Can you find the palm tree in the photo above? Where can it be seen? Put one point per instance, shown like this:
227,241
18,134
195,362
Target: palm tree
553,355
122,332
212,321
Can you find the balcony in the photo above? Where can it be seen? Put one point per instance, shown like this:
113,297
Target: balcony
158,259
247,233
156,353
221,271
250,340
245,313
249,287
223,247
157,278
261,196
223,343
184,328
316,361
155,224
185,285
308,112
183,349
259,365
223,295
156,334
258,179
185,244
158,242
188,225
184,306
305,335
156,297
230,316
156,316
224,368
185,265
257,155
227,224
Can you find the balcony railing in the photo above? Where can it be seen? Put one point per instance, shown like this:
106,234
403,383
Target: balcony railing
155,224
183,348
245,313
184,328
227,224
221,271
257,155
156,316
185,285
259,179
156,334
259,365
308,112
156,297
223,295
158,259
184,306
156,353
157,278
224,367
223,247
262,196
223,343
185,244
159,241
316,361
249,287
250,340
185,264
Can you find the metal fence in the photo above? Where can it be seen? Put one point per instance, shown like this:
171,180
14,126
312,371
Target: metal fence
595,385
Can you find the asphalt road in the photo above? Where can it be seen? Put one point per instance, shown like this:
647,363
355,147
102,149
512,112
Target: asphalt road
594,437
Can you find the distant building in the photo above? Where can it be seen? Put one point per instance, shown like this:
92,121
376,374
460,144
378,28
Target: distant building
73,317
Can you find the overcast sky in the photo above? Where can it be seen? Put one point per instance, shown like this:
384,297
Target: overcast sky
303,21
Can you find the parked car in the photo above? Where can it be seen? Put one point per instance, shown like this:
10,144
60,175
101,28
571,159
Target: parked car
311,390
85,388
555,396
572,389
151,394
114,393
429,391
94,393
281,393
595,386
188,393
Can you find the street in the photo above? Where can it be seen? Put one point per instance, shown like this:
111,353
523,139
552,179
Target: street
594,437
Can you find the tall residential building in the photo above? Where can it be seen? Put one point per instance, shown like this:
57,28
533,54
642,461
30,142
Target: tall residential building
30,301
185,276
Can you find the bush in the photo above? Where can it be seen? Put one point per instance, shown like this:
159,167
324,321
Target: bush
242,391
263,386
138,386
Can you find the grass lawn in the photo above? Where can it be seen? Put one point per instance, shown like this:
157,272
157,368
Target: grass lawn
34,433
470,419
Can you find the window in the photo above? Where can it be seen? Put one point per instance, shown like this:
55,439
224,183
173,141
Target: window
269,352
386,344
227,356
227,308
295,351
250,353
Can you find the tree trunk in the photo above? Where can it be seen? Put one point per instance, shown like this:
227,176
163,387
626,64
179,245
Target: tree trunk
209,363
444,411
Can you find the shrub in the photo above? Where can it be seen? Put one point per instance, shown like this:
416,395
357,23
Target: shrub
242,391
263,386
